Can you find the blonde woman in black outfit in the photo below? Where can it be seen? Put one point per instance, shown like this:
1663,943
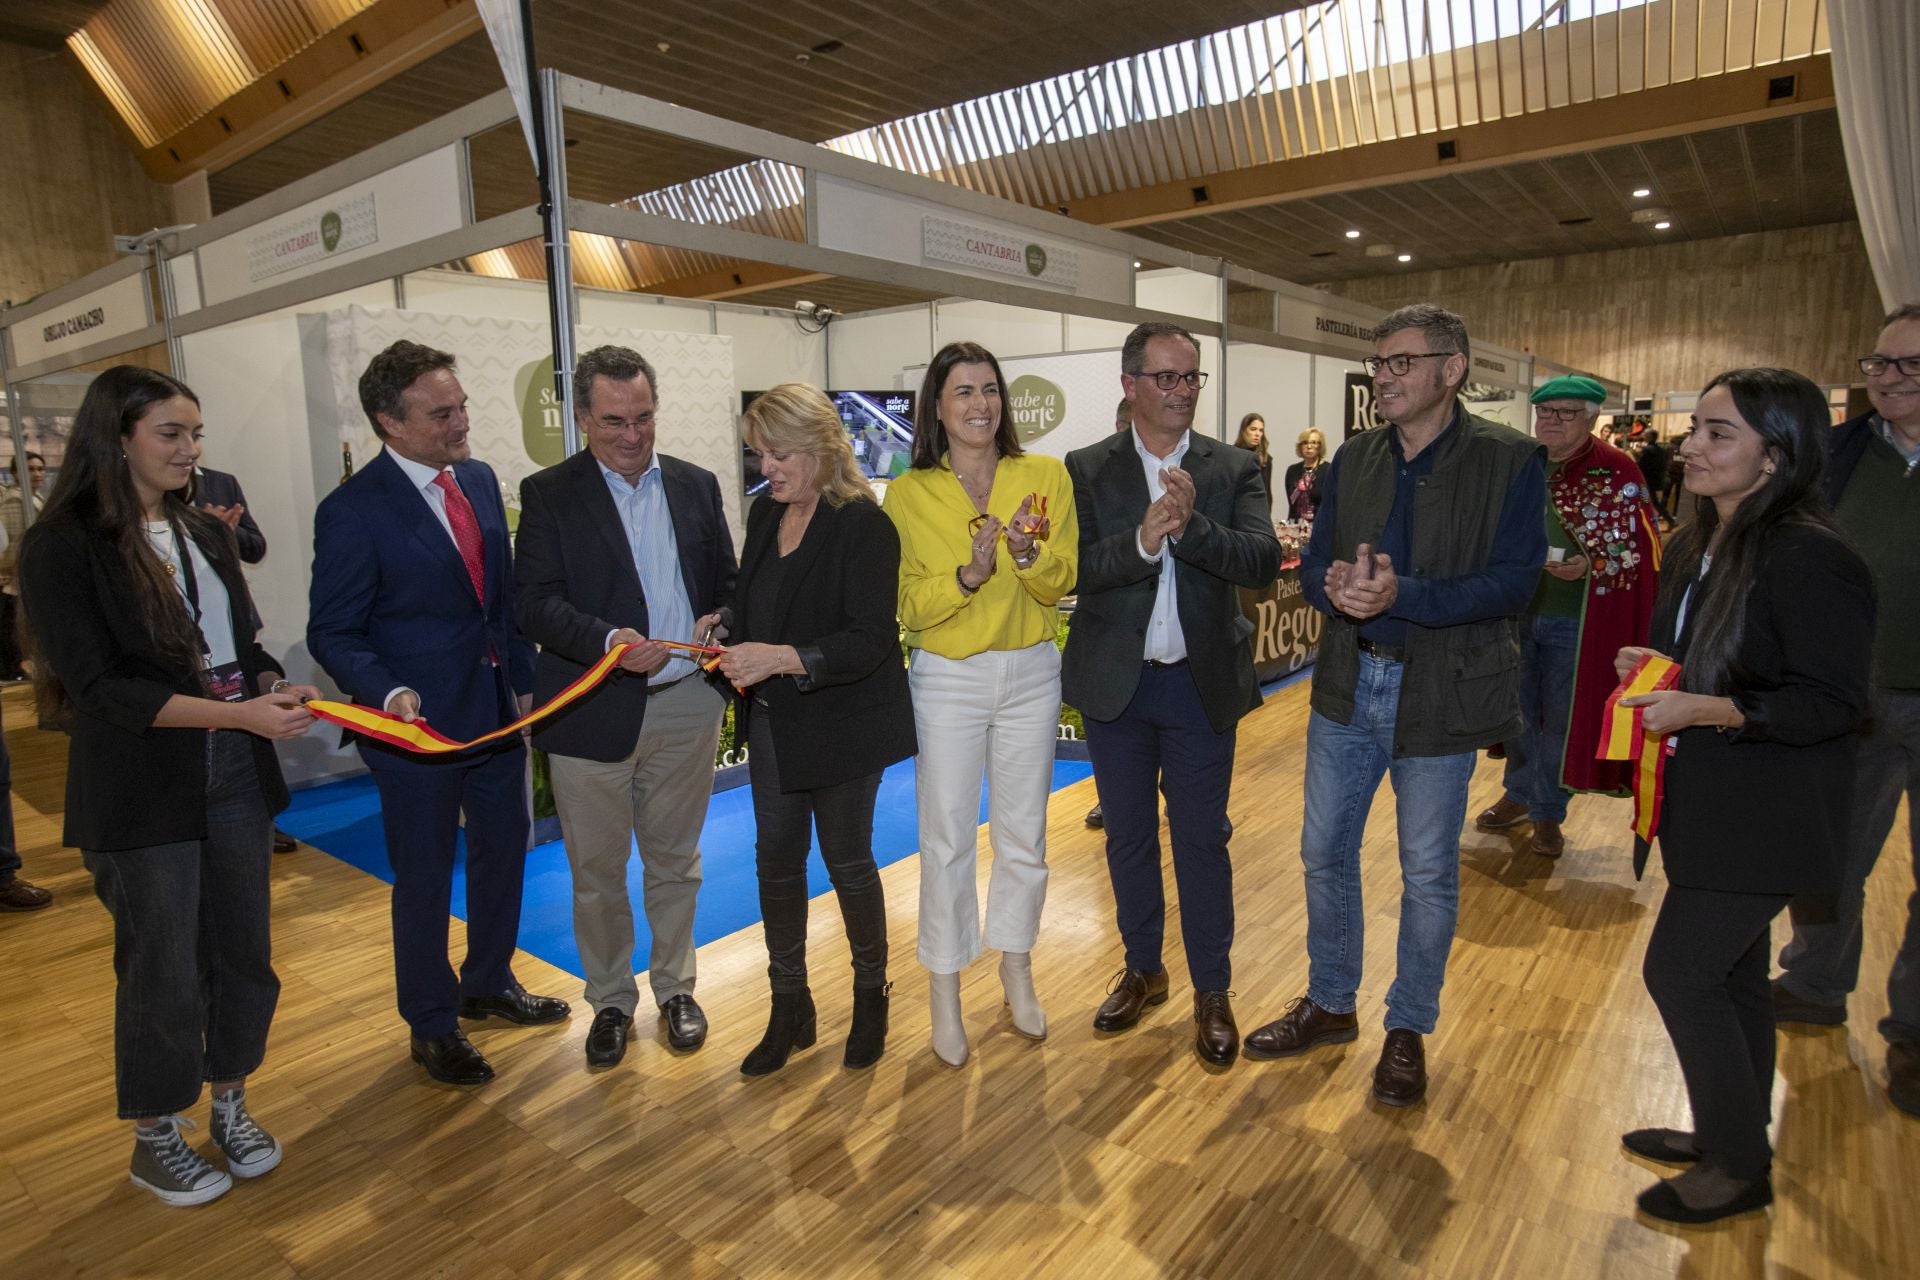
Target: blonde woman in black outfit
824,706
1770,614
143,638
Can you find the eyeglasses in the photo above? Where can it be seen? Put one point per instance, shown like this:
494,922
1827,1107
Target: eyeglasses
1874,366
1168,379
1559,415
1400,364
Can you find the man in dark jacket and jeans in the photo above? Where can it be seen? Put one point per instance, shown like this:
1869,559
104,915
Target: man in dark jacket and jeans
1426,550
1871,479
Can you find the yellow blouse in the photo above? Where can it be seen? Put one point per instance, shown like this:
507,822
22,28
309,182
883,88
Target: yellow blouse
1015,607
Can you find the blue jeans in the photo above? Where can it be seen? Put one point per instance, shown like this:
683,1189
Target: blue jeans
1548,649
1344,766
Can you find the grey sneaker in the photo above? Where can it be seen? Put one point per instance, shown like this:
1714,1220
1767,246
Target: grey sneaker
164,1164
251,1150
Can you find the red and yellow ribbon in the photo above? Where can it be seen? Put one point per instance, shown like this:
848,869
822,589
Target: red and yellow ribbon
1624,737
419,736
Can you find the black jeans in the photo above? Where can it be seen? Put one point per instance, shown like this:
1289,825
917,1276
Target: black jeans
785,822
1706,969
191,952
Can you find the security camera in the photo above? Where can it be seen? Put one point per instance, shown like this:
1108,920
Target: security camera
814,311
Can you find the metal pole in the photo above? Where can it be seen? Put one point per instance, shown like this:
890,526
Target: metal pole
176,359
549,143
1220,394
19,432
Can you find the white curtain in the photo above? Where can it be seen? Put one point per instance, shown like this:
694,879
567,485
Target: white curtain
1876,74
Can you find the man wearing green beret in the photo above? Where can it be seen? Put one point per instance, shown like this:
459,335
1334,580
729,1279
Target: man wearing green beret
1595,595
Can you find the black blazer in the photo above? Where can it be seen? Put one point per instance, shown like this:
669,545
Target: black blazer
219,489
1229,543
1294,473
128,783
851,714
1766,808
576,581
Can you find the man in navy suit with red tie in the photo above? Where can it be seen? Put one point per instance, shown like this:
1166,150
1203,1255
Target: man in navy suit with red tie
412,611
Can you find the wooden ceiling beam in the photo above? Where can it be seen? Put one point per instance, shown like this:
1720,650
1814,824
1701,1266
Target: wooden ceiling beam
1669,111
382,41
732,281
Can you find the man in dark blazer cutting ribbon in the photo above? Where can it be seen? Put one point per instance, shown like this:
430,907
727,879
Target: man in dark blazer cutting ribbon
620,544
412,612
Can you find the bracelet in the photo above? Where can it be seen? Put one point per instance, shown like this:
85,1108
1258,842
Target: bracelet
280,686
959,576
1033,557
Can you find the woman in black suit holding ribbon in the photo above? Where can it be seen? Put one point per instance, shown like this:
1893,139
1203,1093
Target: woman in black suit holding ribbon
1770,614
816,656
142,632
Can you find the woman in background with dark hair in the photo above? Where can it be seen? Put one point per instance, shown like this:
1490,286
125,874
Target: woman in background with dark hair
1253,438
816,655
142,637
1303,477
988,544
1770,614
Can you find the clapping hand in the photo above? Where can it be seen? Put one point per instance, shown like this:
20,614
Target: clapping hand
985,548
1364,587
1028,525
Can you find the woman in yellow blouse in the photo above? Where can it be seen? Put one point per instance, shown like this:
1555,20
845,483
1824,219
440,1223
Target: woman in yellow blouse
988,545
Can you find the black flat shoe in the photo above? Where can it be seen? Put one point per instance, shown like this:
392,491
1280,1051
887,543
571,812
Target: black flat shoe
452,1059
607,1038
686,1024
516,1004
1667,1146
1661,1201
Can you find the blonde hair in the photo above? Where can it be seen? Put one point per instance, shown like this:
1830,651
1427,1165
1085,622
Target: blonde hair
796,417
1300,445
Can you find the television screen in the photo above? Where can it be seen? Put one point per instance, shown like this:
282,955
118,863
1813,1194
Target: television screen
879,425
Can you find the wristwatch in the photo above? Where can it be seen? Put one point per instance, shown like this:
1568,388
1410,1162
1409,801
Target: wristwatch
280,686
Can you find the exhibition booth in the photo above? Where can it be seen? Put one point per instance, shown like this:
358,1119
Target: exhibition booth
270,312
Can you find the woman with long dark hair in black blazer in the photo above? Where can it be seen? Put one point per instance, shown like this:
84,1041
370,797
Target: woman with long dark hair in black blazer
817,656
142,635
1770,614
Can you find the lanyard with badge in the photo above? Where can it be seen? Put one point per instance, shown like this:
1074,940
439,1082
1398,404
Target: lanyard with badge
227,682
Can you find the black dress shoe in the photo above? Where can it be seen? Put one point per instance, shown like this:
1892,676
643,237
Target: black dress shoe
1132,991
1788,1007
1903,1076
516,1004
1400,1079
452,1059
1304,1025
686,1024
1668,1146
607,1037
1216,1038
1095,818
283,843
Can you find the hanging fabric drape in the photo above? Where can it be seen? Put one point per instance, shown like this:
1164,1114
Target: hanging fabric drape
1876,76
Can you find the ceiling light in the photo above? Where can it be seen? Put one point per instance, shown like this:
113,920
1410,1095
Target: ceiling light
1406,257
1353,234
1661,226
1641,193
1136,264
1650,216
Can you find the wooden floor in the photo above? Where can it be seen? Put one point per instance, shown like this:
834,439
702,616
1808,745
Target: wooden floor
1119,1156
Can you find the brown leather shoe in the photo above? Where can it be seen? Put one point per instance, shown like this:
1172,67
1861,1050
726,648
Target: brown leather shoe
1131,992
1903,1077
17,895
1216,1038
1401,1078
1547,841
1304,1025
1506,812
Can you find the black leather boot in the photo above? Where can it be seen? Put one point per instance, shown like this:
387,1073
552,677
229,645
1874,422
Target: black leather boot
868,1039
791,1026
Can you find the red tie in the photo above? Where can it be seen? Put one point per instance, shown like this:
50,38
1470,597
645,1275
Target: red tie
466,533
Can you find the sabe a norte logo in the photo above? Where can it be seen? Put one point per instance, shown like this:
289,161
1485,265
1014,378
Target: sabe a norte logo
542,430
330,230
1037,405
1036,260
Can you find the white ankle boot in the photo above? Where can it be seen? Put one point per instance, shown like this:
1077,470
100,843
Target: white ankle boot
949,1032
1016,977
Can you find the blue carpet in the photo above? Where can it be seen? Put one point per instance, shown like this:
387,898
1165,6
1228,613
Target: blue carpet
343,819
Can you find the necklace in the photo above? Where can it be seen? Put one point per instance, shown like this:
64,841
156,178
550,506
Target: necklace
160,537
977,494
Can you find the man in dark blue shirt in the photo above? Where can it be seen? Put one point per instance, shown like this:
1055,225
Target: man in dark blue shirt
1426,550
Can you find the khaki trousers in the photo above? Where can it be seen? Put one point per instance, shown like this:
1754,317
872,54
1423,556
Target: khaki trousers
655,798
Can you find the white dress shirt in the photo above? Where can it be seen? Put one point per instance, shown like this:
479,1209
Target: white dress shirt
1166,642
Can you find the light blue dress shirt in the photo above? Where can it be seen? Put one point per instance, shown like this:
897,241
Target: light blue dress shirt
656,557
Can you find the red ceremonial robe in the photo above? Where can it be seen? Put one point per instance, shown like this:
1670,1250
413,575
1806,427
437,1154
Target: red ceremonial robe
1603,503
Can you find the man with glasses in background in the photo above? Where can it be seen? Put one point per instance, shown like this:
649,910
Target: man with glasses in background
1425,552
1595,596
1171,522
1870,482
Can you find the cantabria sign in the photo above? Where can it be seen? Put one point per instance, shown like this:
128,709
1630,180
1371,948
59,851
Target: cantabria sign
311,236
986,249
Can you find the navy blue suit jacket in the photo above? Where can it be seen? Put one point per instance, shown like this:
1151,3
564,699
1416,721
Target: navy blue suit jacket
391,603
